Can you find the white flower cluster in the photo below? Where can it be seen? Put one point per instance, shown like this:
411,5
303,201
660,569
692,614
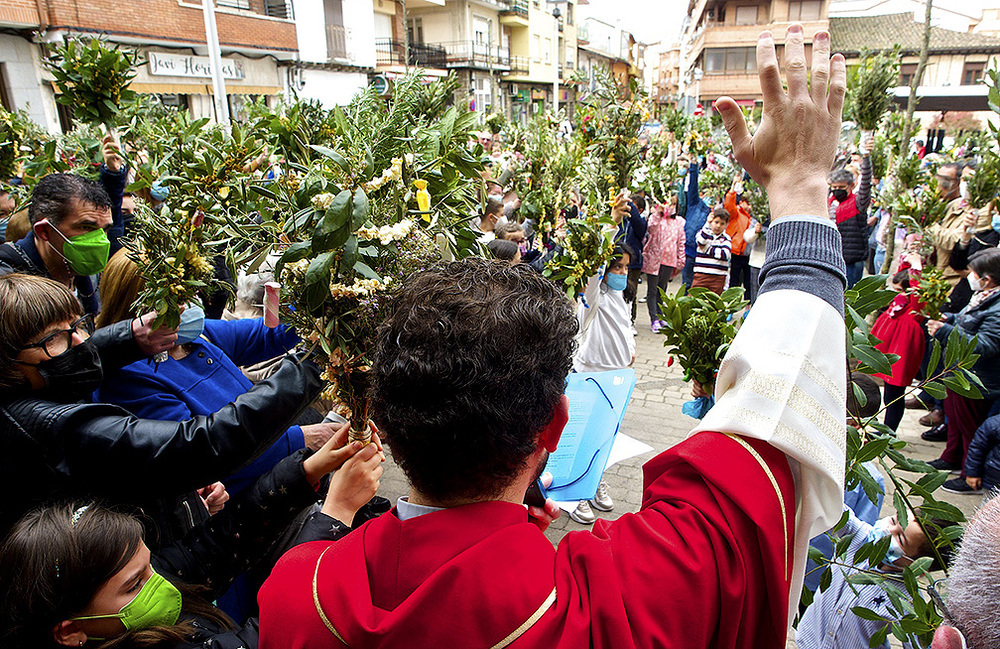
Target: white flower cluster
387,233
360,288
393,173
322,201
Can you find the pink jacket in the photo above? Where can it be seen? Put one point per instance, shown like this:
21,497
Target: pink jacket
664,244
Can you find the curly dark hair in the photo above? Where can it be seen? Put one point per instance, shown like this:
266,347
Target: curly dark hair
461,413
52,198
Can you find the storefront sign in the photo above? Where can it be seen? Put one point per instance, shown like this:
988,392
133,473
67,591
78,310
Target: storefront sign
200,67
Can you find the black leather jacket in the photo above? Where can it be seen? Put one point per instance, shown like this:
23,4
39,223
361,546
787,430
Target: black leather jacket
55,450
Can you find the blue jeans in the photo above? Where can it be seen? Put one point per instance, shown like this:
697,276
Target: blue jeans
854,272
687,273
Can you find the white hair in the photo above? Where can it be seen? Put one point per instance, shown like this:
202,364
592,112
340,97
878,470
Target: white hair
974,579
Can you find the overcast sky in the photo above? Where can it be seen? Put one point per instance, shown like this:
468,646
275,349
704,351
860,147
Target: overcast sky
649,20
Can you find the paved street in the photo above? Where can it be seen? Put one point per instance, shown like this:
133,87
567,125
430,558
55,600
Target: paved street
654,417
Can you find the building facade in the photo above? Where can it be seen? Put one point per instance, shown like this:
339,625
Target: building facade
719,44
256,37
336,43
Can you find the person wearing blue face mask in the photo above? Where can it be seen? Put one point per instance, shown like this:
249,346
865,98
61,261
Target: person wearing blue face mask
201,373
829,620
606,339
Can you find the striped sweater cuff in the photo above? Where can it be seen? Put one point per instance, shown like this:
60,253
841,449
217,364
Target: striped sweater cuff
804,254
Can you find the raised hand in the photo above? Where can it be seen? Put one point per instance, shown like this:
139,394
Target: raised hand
793,149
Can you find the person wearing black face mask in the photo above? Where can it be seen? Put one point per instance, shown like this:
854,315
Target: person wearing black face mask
54,443
850,211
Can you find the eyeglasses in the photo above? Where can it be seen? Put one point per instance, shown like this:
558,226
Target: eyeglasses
933,589
59,342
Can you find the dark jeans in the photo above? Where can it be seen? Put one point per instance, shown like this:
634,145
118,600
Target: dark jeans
653,285
754,283
739,273
687,273
633,285
894,404
964,417
855,271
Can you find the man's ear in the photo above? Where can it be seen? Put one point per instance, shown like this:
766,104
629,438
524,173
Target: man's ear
947,637
69,634
41,232
549,437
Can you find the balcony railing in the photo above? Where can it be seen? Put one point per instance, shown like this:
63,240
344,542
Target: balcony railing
336,42
518,7
473,54
519,65
390,52
279,9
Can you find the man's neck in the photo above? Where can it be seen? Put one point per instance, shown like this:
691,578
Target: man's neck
54,263
512,494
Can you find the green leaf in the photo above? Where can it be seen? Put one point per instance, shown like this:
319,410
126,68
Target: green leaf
318,280
873,359
868,614
872,450
935,389
338,159
296,252
365,269
359,209
350,255
337,216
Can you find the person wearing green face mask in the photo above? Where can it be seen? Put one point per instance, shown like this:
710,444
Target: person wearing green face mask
72,234
74,575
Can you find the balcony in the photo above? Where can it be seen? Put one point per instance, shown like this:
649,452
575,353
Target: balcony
583,35
337,38
279,9
519,66
472,54
390,52
515,13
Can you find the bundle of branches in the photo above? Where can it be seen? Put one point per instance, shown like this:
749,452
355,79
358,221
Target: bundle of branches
582,253
10,145
619,110
933,291
869,89
983,184
93,78
699,330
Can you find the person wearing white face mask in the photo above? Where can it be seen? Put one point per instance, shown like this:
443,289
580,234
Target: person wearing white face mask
981,318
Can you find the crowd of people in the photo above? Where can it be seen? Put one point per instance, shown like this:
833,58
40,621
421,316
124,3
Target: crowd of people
189,486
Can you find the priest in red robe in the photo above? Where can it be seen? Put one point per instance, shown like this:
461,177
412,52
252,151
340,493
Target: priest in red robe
716,554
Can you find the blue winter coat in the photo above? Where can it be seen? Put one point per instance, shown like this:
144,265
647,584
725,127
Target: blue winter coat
204,382
983,458
983,322
697,213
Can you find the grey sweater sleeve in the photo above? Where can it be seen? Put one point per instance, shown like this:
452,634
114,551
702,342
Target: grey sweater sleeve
804,254
863,199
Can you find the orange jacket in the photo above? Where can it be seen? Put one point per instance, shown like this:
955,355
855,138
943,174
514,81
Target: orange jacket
739,221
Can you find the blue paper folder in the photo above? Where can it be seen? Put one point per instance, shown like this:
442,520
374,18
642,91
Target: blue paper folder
597,403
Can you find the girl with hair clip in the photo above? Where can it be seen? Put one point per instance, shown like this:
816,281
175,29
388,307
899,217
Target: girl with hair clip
81,574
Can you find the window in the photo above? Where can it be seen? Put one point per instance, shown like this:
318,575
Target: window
804,10
972,74
746,15
416,30
234,4
731,60
536,47
906,72
547,52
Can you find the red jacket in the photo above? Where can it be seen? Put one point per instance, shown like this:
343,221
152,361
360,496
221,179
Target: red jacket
705,562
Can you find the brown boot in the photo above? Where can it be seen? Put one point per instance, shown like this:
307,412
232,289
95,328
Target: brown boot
932,418
913,403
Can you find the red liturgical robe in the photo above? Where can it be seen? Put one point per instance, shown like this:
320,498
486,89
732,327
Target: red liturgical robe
706,562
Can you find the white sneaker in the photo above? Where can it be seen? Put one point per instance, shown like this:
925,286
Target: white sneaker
602,499
583,514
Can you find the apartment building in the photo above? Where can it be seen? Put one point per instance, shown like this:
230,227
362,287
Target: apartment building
956,60
665,75
719,41
336,43
255,36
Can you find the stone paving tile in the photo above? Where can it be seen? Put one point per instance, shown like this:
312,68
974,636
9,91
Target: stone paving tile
654,417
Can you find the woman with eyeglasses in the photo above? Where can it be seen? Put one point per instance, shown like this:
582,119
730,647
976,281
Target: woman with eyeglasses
58,444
